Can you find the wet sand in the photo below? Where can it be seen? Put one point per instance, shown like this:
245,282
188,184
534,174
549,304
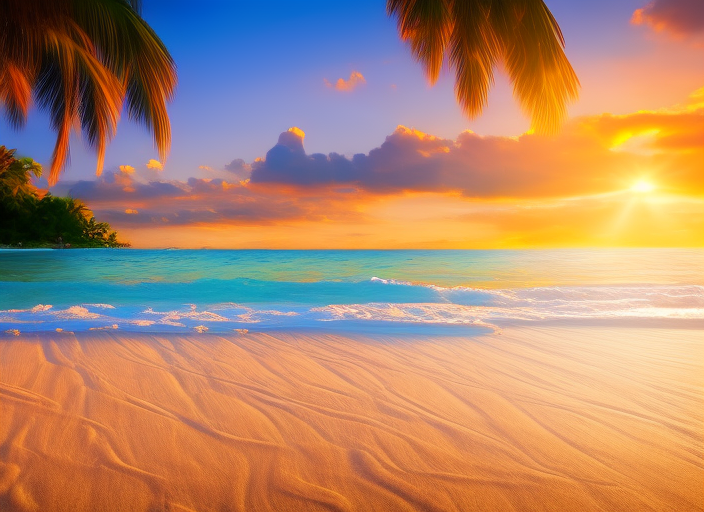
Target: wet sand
582,419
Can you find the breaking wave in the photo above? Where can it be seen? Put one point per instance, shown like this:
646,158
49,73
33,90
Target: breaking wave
435,306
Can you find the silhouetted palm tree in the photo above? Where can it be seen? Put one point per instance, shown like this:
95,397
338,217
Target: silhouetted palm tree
472,37
81,60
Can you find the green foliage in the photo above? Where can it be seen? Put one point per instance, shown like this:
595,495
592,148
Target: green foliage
34,221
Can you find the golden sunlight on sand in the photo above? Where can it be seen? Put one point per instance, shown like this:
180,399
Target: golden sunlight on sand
535,419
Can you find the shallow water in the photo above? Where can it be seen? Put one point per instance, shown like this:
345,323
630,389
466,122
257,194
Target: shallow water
182,290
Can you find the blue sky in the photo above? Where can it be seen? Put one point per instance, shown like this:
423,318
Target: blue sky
250,70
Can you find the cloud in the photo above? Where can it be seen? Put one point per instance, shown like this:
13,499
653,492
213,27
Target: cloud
356,79
420,190
118,199
677,17
239,168
236,166
121,189
155,164
583,159
128,169
206,168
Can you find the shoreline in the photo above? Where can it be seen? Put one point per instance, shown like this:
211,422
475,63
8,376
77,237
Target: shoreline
368,329
552,417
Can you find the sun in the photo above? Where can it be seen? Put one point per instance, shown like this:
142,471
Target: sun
642,187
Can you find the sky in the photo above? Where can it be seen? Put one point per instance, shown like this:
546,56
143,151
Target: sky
309,125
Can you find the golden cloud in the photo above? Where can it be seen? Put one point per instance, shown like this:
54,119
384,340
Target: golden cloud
633,179
356,79
155,164
679,18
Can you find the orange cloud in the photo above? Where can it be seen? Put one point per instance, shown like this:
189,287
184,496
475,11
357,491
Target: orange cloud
606,180
439,221
356,79
128,169
677,17
593,155
155,164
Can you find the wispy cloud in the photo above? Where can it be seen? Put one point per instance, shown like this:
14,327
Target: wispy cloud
355,80
677,17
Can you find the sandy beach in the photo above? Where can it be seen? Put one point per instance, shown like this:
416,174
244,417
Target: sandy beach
550,418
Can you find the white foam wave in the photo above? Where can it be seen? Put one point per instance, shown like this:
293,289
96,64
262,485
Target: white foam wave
656,301
172,317
104,327
99,306
39,308
445,305
75,313
464,305
142,323
375,279
415,313
456,314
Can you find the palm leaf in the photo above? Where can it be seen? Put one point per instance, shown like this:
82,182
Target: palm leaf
15,93
473,37
132,51
426,25
82,59
76,88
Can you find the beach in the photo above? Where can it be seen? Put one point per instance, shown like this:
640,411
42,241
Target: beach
525,418
432,256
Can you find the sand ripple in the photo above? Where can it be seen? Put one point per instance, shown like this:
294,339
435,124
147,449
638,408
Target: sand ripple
559,419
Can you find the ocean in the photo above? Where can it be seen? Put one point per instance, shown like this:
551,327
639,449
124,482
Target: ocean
458,291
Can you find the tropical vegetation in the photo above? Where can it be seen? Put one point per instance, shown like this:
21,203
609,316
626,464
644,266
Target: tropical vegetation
29,218
82,61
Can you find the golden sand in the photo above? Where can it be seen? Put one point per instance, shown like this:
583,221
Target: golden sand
535,419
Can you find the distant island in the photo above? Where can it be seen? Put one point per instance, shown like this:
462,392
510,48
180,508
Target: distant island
30,218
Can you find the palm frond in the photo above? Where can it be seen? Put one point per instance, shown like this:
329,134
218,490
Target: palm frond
543,79
79,58
15,93
22,44
76,88
474,53
472,37
131,50
427,26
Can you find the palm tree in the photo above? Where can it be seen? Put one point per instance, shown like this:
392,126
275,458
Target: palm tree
471,37
15,179
81,60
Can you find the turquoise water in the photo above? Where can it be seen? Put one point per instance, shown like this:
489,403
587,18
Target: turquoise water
218,291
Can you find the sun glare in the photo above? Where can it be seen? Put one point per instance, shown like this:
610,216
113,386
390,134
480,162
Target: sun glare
643,187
